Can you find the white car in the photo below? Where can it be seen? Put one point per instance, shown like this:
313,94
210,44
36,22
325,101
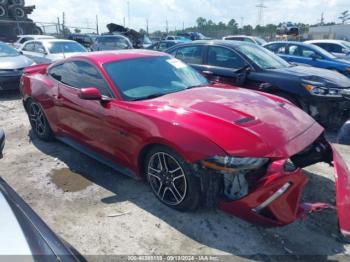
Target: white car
21,39
246,38
46,51
339,48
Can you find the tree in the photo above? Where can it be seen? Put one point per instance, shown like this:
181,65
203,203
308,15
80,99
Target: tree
233,26
344,17
201,22
77,30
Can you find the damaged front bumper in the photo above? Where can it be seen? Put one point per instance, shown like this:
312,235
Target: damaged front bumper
274,200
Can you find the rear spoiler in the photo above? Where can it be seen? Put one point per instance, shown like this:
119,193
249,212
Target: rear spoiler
39,69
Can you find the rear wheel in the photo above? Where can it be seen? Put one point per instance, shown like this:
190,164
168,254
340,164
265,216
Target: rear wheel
171,180
38,121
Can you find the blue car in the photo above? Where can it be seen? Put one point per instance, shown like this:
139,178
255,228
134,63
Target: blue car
303,53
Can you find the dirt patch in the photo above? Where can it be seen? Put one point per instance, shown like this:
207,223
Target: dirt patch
69,181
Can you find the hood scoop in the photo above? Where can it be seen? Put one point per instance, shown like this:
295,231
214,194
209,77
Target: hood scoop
244,120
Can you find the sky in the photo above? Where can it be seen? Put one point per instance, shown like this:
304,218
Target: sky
82,13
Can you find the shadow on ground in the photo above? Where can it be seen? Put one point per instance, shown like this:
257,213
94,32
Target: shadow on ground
315,235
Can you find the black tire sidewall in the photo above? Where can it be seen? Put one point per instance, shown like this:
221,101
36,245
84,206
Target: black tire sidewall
48,134
192,198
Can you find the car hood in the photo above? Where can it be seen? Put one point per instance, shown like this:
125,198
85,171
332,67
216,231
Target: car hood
240,121
15,62
328,78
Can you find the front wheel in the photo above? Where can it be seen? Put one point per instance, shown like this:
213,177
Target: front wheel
171,180
38,121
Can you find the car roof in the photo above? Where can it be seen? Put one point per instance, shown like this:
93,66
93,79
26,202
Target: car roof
224,43
289,42
325,41
103,57
38,36
248,36
49,40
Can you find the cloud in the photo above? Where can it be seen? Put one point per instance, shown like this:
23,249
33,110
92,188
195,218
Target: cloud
82,13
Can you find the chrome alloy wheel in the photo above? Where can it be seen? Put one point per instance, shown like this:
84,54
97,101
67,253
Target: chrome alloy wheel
37,119
167,178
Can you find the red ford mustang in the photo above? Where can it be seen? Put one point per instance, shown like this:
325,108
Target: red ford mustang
150,116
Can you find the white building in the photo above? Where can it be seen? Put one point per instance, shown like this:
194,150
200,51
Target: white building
340,32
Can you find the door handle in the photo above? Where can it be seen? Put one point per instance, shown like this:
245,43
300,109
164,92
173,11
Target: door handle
207,72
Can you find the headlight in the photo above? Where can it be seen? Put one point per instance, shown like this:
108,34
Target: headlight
234,164
322,91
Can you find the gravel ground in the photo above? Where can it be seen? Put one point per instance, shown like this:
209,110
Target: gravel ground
101,212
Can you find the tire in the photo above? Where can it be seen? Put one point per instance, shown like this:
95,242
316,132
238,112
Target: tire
170,179
38,121
17,12
3,11
344,134
18,2
37,30
3,2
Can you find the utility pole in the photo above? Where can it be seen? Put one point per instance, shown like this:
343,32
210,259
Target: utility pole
261,8
183,26
58,26
147,26
124,21
242,21
322,19
166,26
64,24
97,29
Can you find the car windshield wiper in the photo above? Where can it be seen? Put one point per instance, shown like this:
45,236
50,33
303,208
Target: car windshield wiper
196,86
149,96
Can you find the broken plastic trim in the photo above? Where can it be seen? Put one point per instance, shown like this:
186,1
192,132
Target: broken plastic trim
272,198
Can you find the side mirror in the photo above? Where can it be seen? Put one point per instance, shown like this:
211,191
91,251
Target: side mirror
90,93
2,142
20,52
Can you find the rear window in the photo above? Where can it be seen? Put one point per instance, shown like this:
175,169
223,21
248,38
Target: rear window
65,47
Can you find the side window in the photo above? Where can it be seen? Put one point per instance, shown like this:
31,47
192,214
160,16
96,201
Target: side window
336,48
246,39
39,48
190,54
294,50
29,47
325,46
235,38
223,57
80,74
277,48
162,46
25,39
306,52
57,72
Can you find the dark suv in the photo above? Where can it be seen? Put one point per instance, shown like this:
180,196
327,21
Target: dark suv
317,91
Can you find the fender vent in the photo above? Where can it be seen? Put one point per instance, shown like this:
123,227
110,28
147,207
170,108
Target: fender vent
244,120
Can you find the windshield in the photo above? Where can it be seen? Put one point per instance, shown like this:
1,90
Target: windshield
260,41
115,42
262,57
146,40
346,44
323,52
64,47
142,78
6,50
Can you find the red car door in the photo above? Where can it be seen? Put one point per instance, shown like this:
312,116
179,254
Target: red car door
87,122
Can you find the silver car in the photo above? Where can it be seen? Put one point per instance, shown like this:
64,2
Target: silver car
12,64
46,51
111,42
339,48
